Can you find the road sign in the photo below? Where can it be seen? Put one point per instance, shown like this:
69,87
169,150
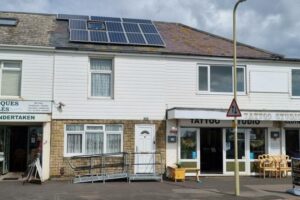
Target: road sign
233,110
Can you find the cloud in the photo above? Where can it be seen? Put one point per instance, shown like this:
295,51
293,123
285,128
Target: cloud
267,24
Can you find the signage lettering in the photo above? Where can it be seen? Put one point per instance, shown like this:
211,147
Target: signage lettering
215,121
10,106
17,117
272,116
205,121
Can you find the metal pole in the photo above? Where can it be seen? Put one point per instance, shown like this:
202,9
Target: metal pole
236,163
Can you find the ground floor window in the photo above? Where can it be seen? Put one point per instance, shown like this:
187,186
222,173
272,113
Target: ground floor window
83,139
292,142
188,143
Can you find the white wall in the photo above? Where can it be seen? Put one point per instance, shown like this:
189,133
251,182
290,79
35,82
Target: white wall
138,89
147,86
37,73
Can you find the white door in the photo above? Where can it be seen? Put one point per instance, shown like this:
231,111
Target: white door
144,149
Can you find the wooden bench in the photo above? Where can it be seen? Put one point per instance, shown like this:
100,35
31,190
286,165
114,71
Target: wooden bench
196,170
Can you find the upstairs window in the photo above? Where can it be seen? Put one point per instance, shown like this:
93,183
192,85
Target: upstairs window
8,22
101,77
295,82
10,78
219,79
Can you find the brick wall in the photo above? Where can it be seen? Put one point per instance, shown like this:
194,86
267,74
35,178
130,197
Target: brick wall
59,163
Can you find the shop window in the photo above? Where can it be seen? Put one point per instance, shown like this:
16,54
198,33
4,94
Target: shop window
219,79
93,139
10,78
295,82
101,77
230,144
188,143
257,142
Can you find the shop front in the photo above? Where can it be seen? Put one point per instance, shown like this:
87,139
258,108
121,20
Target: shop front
24,135
208,144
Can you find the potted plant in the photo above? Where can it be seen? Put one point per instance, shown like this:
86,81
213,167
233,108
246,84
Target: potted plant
176,172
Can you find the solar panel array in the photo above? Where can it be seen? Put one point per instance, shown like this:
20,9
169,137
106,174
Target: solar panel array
112,30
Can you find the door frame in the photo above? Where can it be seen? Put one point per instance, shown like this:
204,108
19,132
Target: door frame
136,127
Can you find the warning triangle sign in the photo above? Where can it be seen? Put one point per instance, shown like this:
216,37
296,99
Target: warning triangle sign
233,110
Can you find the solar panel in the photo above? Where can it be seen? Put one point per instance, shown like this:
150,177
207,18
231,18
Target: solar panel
98,36
135,38
112,19
79,35
77,24
117,37
131,28
144,21
114,26
148,28
98,29
154,39
67,17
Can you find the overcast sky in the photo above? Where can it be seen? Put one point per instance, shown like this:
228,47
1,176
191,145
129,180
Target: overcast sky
273,25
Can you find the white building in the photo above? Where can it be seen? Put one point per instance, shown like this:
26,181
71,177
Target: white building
79,86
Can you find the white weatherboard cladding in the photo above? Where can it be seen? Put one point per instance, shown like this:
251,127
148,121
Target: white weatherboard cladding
181,81
37,73
147,86
263,81
138,89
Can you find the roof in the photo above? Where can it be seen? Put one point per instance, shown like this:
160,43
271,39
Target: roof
44,30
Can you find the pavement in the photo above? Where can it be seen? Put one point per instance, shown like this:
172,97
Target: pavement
208,188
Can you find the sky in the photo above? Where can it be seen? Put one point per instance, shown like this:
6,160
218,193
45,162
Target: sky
273,25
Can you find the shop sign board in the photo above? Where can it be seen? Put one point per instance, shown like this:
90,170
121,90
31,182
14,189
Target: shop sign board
17,106
24,117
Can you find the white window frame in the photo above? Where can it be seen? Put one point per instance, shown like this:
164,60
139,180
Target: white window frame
291,84
2,68
83,133
208,91
111,72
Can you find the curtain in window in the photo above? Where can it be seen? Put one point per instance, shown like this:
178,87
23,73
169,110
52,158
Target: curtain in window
10,84
94,142
113,144
101,85
101,64
74,142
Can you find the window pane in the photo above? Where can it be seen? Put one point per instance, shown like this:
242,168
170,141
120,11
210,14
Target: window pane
295,82
257,142
188,143
203,83
10,84
240,80
101,85
94,142
11,65
220,79
74,143
8,22
74,127
113,143
113,128
230,144
101,64
94,128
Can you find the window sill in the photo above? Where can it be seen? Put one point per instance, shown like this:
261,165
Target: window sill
11,97
221,93
100,98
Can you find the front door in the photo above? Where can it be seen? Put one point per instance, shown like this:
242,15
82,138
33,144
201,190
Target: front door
292,143
211,150
144,149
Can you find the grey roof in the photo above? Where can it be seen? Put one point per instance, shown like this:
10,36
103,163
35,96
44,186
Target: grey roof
44,30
